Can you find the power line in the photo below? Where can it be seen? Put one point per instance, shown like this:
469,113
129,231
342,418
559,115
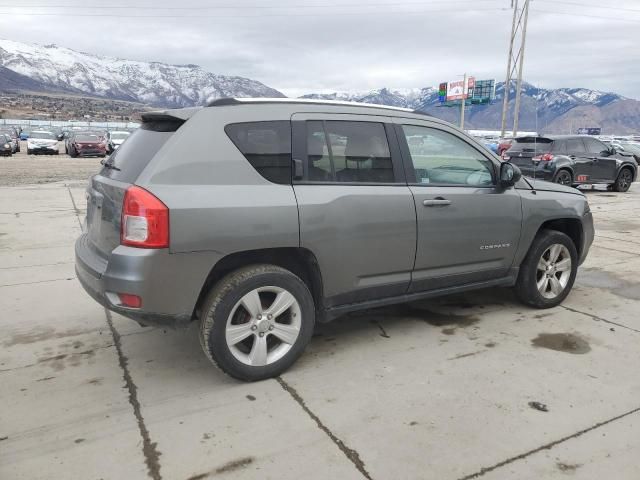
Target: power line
261,15
589,5
247,7
599,17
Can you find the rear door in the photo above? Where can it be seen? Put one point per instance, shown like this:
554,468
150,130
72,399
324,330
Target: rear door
581,160
106,190
604,166
356,212
468,228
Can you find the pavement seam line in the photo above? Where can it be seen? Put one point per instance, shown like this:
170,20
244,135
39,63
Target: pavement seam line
548,446
595,317
37,281
350,453
618,239
149,450
75,208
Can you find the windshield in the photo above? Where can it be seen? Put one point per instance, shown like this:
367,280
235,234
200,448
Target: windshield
43,135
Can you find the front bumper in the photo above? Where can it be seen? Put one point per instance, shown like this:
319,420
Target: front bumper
169,284
50,150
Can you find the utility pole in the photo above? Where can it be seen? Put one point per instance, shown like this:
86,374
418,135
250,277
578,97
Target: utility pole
464,90
515,62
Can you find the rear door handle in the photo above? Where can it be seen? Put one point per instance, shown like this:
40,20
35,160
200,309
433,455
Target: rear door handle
438,202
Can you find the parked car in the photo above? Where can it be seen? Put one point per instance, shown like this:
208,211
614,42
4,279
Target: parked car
573,160
504,145
13,136
115,139
260,217
42,141
6,147
24,134
84,144
632,148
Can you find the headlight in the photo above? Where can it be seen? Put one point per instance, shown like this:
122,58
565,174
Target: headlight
6,145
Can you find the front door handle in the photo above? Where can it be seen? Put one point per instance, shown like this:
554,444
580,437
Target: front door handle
437,202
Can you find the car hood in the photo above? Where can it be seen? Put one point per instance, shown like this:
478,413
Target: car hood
545,186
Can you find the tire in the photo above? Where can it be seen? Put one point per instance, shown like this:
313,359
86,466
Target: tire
530,276
624,180
224,309
563,177
73,153
29,152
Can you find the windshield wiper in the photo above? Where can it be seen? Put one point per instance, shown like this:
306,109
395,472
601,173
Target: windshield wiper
107,164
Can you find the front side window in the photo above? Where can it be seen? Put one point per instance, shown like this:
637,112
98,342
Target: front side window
267,147
596,147
348,152
441,158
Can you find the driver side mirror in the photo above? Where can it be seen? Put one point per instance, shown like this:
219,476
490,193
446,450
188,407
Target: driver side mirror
509,175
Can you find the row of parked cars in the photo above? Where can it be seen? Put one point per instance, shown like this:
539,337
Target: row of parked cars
77,142
573,160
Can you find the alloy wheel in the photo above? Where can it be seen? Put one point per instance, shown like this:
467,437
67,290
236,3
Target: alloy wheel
554,271
263,326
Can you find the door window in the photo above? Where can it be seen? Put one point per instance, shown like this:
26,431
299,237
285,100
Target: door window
575,145
348,152
596,147
441,158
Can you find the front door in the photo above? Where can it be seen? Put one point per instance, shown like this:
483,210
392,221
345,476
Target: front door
604,165
468,228
356,212
582,161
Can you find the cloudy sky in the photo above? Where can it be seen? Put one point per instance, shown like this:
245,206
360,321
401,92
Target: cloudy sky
302,46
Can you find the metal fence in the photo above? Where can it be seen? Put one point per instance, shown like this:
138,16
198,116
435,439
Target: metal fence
67,123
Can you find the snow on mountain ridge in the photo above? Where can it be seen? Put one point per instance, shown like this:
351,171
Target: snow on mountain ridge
156,83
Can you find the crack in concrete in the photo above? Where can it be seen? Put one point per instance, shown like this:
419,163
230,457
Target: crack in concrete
149,448
597,318
16,267
548,446
351,454
36,282
75,208
618,239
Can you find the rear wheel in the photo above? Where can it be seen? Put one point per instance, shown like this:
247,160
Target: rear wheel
564,177
73,153
257,321
624,180
548,271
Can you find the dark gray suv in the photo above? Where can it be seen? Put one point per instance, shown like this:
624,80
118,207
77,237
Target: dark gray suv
260,217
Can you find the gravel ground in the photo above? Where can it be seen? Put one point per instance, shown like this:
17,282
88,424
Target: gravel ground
23,169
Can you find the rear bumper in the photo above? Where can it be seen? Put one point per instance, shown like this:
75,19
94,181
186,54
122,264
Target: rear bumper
169,284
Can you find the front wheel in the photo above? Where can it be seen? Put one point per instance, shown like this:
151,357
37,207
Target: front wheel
257,321
624,180
548,271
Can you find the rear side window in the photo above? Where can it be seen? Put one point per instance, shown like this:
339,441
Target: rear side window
141,146
596,146
267,147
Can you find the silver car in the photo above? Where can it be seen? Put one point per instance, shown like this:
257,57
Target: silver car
258,218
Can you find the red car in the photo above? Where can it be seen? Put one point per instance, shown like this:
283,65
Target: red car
87,145
504,145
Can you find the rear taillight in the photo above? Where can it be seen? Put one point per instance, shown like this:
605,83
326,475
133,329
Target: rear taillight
130,300
545,157
145,220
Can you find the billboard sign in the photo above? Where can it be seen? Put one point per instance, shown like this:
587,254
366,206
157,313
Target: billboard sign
458,90
589,131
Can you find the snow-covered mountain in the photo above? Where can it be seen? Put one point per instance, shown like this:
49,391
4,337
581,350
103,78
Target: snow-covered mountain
154,83
541,108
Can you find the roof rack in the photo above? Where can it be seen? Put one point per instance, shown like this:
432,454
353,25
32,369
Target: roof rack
231,101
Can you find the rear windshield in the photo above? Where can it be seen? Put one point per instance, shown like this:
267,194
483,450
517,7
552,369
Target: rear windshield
141,146
87,138
530,144
43,135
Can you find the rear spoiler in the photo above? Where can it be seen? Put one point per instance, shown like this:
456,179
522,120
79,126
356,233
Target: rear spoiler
531,139
172,115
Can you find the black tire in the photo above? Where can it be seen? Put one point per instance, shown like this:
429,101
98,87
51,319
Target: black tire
624,180
73,153
526,287
220,303
563,177
29,152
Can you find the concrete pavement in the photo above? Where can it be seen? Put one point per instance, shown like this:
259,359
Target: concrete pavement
433,390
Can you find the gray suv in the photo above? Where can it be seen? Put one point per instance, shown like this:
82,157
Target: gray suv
260,217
